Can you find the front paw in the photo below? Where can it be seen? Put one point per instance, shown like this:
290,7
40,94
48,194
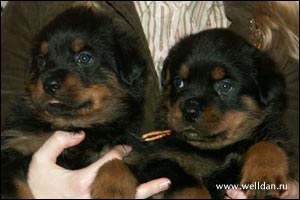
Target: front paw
114,181
265,171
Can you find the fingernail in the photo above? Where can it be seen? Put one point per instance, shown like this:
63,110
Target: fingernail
77,135
234,193
127,148
164,185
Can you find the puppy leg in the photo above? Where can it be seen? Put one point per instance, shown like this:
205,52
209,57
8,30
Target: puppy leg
265,163
23,190
14,168
114,180
196,192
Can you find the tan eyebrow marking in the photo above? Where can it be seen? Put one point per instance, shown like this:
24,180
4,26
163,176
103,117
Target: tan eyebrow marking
45,48
184,71
77,45
218,73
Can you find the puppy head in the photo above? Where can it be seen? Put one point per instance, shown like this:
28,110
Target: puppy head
217,88
84,70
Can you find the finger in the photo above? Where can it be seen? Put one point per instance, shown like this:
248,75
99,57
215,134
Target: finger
236,194
150,188
117,152
292,191
55,145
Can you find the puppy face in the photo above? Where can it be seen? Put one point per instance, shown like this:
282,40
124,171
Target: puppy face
218,89
84,70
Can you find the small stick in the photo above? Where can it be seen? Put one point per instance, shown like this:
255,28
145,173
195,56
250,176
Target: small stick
155,135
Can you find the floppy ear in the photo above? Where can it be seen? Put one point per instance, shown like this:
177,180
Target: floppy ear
131,62
165,74
271,82
30,69
171,60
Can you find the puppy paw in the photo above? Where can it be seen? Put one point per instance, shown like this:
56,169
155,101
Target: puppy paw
264,174
114,181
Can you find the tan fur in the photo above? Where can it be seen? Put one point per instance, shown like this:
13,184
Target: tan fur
218,73
105,104
45,48
77,45
237,125
251,104
71,83
174,115
37,92
114,180
211,114
23,141
23,190
184,72
279,23
265,162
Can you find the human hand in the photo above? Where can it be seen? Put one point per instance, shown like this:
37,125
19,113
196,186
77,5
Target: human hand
48,180
292,192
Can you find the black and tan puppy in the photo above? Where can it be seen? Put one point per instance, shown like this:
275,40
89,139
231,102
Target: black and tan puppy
222,100
85,73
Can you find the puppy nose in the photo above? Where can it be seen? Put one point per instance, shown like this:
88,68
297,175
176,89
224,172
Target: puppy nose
191,110
51,86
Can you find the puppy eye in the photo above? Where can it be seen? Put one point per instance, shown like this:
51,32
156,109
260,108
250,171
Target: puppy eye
178,82
41,61
224,86
84,58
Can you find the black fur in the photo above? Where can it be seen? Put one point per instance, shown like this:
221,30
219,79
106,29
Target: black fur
57,75
251,73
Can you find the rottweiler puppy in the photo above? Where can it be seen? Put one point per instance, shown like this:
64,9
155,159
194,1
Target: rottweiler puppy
222,99
86,73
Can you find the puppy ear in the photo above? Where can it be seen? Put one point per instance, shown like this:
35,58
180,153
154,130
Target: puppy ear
165,73
271,82
131,63
173,59
30,69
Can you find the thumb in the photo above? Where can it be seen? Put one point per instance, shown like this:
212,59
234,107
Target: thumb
55,145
